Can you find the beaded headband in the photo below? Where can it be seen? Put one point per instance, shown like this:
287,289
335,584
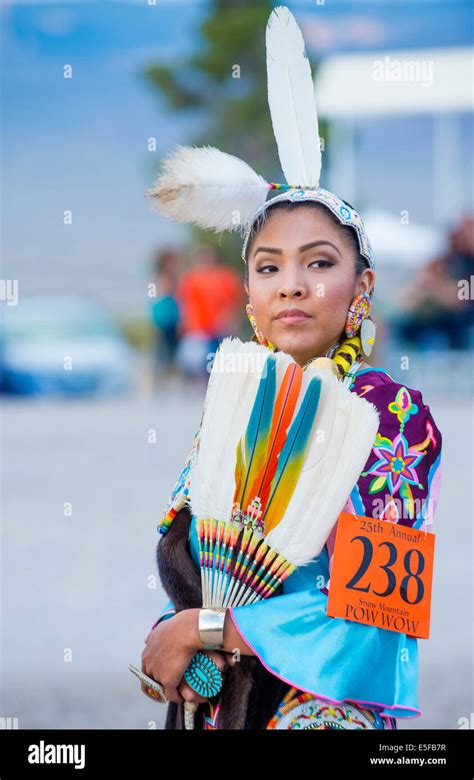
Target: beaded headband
345,213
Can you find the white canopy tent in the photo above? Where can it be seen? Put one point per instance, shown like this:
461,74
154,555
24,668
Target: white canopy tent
406,246
400,249
437,82
403,81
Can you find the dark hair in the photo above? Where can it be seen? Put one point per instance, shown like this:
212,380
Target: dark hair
166,258
347,231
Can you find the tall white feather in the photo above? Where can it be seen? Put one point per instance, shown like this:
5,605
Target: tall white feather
291,100
344,432
229,400
209,188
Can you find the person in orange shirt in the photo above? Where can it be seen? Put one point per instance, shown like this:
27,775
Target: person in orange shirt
211,298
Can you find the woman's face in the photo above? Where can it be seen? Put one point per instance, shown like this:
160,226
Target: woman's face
299,260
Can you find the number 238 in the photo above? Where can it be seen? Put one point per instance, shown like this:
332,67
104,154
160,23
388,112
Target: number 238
368,553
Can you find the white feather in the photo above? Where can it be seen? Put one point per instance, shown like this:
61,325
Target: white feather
209,188
225,410
344,432
229,400
291,100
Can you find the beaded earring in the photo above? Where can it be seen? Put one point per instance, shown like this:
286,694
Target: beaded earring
258,333
358,311
358,319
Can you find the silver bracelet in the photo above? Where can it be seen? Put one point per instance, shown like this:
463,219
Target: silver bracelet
211,627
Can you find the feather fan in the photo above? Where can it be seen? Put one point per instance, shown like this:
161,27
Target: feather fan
280,450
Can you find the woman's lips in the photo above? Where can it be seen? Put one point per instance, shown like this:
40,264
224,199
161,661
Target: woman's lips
293,319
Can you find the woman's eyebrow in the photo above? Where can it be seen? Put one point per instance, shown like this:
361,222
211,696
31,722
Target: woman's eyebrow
318,243
268,249
274,251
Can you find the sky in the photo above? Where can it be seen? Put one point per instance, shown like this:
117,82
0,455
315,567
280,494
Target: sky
81,143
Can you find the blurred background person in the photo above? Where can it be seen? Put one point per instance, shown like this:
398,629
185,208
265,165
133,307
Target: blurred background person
435,313
164,309
211,299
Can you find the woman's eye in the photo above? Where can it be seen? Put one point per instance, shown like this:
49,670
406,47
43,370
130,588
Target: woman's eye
322,263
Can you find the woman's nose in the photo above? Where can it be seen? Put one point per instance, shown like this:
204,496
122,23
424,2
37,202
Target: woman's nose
291,286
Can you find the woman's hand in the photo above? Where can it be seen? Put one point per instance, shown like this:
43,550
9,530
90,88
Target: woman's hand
168,651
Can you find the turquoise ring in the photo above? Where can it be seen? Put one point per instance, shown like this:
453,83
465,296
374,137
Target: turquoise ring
204,676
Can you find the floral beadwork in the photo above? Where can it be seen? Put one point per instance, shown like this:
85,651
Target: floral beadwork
395,466
301,710
403,406
395,469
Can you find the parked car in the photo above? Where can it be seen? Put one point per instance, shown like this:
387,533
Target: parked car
63,346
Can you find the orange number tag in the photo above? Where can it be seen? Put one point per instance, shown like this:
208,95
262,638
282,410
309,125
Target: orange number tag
381,575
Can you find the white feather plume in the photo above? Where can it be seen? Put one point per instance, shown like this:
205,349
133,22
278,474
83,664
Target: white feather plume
209,188
291,100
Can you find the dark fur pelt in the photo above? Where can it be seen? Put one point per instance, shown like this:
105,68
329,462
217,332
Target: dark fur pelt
249,695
